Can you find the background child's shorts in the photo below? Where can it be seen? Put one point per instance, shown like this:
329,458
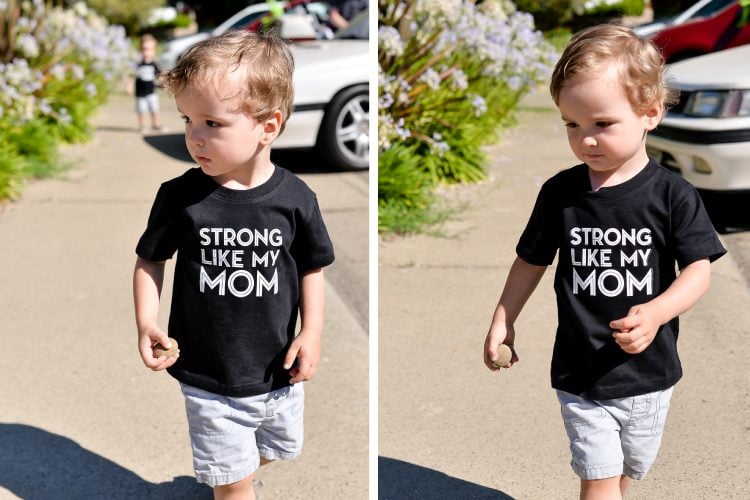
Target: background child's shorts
229,435
147,104
612,437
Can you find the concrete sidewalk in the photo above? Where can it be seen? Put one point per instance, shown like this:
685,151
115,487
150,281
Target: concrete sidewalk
80,416
450,428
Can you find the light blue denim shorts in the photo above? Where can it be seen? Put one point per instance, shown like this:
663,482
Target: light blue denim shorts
147,104
229,435
613,437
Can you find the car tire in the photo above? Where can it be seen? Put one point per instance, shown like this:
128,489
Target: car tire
343,139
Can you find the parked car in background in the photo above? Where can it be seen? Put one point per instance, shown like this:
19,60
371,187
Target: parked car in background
706,137
303,19
331,102
724,29
699,10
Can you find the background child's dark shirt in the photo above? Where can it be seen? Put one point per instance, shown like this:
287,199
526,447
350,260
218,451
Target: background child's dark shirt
145,78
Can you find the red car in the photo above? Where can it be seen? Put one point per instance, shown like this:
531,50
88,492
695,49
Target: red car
725,29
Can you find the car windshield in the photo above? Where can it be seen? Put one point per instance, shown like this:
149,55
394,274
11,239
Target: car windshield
242,23
358,29
710,8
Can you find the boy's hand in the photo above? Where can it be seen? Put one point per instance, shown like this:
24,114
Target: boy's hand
504,334
635,332
149,336
306,347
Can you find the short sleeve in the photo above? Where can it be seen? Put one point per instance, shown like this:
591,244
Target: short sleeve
539,241
312,247
692,231
161,238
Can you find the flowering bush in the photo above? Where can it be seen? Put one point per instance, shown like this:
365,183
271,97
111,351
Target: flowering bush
450,74
56,67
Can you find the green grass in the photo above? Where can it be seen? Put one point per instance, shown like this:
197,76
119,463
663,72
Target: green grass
558,38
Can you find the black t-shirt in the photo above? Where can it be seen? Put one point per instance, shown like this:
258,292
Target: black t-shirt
145,78
617,248
240,256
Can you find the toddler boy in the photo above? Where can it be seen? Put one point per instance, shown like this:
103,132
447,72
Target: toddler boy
251,245
618,223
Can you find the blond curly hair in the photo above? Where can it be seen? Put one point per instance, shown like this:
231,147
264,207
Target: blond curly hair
640,65
261,64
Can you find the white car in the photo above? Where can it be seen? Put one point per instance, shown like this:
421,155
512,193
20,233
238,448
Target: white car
706,137
295,26
331,102
700,9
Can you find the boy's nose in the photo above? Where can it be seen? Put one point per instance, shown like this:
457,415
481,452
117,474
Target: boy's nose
194,136
589,141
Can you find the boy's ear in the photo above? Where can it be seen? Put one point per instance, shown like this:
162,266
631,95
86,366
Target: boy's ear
653,116
272,127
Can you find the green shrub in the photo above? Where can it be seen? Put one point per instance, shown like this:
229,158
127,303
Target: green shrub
132,14
606,9
547,15
450,75
38,148
57,67
406,202
10,169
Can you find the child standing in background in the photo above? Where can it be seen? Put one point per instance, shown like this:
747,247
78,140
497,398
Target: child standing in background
146,100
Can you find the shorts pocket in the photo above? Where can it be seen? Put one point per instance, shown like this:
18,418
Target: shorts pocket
297,395
208,414
578,412
661,401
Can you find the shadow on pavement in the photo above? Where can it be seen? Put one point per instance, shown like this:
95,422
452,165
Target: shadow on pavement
298,161
38,464
402,480
172,145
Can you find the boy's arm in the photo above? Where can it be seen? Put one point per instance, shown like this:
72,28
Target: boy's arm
147,282
306,346
522,280
635,332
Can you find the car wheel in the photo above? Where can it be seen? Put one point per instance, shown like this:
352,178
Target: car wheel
344,137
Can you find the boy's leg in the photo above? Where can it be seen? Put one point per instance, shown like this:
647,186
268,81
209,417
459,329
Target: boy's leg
153,106
243,489
141,108
240,490
601,489
625,484
612,487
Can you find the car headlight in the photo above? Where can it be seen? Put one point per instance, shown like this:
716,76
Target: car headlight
718,103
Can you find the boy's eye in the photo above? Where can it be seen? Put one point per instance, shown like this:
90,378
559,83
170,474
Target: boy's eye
571,125
213,124
185,118
603,124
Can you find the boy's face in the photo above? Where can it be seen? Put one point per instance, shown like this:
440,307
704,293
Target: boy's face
603,129
148,49
224,142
